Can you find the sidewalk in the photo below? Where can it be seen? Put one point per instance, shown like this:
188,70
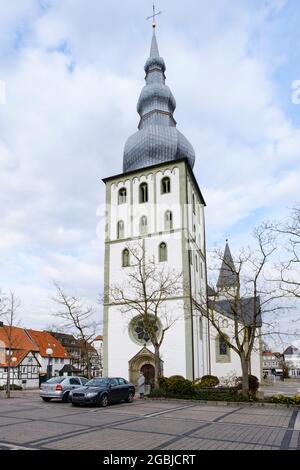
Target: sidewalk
30,393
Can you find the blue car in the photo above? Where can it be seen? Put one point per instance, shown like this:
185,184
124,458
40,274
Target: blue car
102,391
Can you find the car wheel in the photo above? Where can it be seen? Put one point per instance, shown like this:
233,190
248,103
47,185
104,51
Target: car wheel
65,397
103,401
129,399
46,399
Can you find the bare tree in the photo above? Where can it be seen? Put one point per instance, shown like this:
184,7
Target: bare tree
289,231
9,315
80,320
246,302
144,294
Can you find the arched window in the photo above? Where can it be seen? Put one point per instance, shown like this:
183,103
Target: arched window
222,349
168,220
120,229
122,196
125,258
223,346
163,252
225,323
165,185
143,192
143,225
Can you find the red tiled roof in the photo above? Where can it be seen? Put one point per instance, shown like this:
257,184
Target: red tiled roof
19,354
19,338
98,338
45,340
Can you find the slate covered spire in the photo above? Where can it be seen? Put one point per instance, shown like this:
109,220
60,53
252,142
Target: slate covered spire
157,140
227,276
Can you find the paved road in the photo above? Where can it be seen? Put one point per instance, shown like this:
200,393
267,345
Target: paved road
288,387
27,422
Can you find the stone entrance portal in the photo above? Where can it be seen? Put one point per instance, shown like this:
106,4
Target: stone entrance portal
143,361
148,372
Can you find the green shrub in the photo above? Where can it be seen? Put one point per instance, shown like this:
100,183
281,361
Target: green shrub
281,399
179,385
157,393
163,383
207,381
253,384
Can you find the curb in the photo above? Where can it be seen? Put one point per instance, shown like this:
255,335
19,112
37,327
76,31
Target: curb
225,403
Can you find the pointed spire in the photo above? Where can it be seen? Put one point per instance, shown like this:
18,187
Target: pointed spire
154,52
227,276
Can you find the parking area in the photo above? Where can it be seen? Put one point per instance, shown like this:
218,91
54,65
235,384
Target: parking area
27,422
288,387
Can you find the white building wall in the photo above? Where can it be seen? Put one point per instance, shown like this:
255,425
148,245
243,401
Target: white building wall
121,348
56,366
221,369
186,226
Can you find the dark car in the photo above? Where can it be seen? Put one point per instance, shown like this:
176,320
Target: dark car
102,391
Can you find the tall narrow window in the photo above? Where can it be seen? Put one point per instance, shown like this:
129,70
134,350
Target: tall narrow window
196,262
223,347
125,258
194,204
168,220
143,192
200,329
165,185
122,196
120,229
143,225
163,252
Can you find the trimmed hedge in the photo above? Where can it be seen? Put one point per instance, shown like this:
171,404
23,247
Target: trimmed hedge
179,387
12,387
207,381
281,399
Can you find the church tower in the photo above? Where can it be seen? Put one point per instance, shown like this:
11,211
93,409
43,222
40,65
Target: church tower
156,199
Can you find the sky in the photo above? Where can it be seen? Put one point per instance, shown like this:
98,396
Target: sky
70,75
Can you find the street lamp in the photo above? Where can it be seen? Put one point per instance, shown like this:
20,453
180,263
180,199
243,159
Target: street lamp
13,360
49,351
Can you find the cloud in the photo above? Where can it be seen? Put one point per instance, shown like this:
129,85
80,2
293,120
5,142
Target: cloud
73,72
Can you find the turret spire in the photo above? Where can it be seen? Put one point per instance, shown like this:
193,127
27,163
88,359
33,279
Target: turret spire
227,276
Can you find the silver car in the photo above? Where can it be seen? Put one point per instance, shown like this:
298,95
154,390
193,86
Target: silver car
60,387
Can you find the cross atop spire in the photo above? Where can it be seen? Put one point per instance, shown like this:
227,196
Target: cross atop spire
153,16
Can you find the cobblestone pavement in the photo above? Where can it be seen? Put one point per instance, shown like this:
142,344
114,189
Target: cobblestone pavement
28,423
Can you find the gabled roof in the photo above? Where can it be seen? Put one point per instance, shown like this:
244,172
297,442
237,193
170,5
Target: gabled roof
19,338
291,350
45,340
245,311
210,291
227,276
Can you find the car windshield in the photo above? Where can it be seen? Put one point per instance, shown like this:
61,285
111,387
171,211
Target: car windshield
96,383
55,380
